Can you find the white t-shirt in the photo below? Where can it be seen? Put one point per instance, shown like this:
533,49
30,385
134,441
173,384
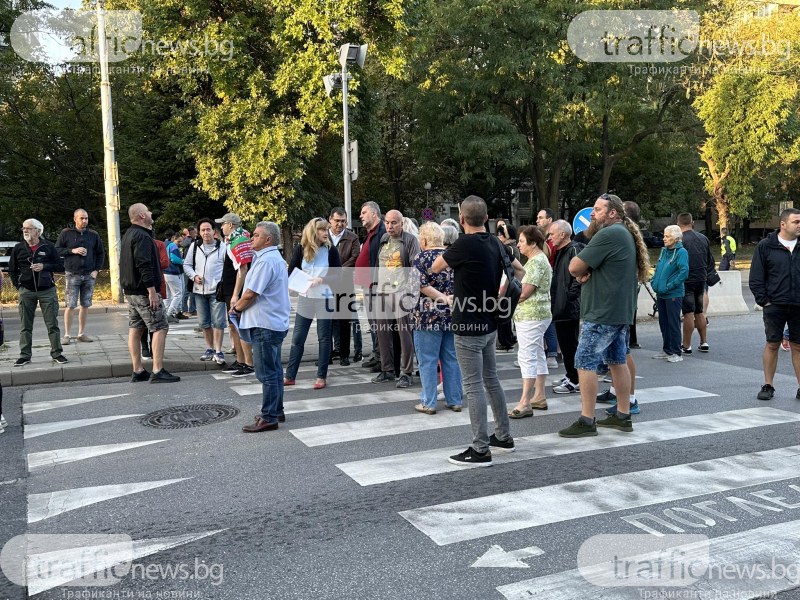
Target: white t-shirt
788,244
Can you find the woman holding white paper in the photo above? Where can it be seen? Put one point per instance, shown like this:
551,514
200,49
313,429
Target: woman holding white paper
319,260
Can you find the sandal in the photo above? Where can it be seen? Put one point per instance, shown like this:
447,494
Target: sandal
521,414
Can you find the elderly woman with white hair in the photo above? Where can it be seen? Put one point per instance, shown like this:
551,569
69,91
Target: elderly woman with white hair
434,342
671,271
31,266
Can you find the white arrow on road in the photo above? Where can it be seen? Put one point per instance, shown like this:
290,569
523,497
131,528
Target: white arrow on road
497,557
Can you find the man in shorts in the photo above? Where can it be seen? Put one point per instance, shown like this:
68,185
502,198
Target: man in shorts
775,283
82,251
140,277
701,263
607,268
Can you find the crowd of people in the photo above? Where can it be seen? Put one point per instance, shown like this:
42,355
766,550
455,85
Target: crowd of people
576,296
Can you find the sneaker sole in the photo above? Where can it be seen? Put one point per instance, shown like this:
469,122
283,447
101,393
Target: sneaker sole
764,399
617,427
555,391
502,450
469,464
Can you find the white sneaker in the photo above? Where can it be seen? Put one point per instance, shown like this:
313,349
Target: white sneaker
674,358
560,381
552,363
567,388
3,422
662,355
516,363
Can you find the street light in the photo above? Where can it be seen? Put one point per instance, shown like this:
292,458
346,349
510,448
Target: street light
427,187
349,54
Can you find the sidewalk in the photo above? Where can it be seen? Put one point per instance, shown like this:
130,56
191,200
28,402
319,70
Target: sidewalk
108,355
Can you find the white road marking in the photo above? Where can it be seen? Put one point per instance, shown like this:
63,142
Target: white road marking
497,557
50,504
86,560
480,517
308,384
37,460
37,429
34,407
764,546
430,462
361,430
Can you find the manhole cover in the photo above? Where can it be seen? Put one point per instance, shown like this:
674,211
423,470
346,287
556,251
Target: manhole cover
191,415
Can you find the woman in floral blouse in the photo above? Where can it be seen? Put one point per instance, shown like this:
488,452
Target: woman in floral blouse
532,318
433,341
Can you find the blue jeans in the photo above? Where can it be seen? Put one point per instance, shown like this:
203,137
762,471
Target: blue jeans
302,324
551,341
79,285
669,320
433,346
187,302
476,357
269,370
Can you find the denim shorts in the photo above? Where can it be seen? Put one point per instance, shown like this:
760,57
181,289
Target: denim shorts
141,316
210,312
601,344
78,283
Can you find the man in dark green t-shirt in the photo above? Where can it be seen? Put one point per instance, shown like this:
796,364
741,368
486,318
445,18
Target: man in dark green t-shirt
607,268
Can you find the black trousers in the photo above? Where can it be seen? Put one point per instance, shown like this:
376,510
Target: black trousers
505,335
567,333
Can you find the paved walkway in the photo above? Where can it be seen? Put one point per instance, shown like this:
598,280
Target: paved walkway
108,355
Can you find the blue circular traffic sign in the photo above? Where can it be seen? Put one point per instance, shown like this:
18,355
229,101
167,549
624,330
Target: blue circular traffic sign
428,214
582,220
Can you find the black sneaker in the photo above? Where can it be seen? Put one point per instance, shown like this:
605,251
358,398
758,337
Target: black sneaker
60,359
578,429
244,371
344,362
686,350
357,357
404,381
372,362
234,366
767,392
703,347
797,396
163,376
142,375
470,457
615,422
505,446
21,362
383,377
607,397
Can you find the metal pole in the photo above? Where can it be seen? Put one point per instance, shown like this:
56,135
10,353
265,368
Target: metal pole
346,150
109,161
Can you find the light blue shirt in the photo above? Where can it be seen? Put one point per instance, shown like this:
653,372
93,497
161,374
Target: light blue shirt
268,279
318,267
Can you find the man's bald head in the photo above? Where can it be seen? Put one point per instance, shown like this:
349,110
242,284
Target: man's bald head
140,215
394,223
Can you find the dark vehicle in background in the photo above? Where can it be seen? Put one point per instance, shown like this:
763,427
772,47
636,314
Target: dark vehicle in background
652,239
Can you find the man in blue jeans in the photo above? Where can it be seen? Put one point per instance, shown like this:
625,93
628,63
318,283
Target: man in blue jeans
263,315
609,269
477,269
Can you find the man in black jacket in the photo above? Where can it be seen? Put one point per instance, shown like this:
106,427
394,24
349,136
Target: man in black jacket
82,251
775,283
31,267
701,264
140,277
565,300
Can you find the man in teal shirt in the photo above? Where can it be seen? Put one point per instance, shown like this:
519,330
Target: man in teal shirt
608,269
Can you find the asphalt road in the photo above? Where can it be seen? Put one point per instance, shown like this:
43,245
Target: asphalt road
353,497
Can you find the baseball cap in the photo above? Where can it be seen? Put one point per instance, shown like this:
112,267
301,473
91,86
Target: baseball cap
231,218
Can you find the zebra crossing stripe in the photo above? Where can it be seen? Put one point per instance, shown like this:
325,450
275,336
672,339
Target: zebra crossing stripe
313,404
38,429
480,517
50,504
430,462
49,458
732,572
335,433
308,384
34,407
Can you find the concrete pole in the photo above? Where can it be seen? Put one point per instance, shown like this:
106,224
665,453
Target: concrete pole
346,150
109,162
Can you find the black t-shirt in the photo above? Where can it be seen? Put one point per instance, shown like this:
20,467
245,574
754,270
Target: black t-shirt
477,271
228,276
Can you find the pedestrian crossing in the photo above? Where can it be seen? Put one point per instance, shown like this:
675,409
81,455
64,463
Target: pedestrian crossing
372,438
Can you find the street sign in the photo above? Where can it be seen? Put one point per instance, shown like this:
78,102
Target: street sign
427,214
582,220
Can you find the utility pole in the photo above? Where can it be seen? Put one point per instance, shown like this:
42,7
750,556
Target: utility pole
110,175
346,150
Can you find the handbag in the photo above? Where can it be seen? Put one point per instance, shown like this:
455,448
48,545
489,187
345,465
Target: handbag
219,296
712,279
507,304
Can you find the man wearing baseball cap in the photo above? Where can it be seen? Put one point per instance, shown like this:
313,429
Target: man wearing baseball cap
238,256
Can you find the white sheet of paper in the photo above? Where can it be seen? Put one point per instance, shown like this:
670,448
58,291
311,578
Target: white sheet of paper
299,281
